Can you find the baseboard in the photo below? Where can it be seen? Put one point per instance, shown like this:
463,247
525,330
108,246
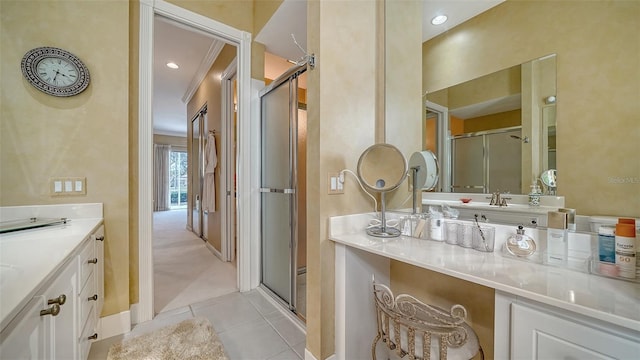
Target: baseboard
134,314
309,356
115,324
215,251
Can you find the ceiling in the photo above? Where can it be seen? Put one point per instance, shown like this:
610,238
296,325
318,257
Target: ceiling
195,51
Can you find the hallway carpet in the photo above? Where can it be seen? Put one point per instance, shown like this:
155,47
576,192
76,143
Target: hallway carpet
185,271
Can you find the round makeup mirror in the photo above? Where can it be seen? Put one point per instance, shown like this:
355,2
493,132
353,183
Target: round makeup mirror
548,178
382,168
424,171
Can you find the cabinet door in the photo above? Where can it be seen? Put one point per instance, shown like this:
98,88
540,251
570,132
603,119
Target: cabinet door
64,329
27,338
539,334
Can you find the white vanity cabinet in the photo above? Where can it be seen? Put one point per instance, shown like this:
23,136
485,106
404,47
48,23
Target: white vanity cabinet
530,330
540,312
61,319
45,329
91,290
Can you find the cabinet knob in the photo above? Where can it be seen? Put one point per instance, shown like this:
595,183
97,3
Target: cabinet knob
100,238
53,311
92,261
93,298
60,300
93,337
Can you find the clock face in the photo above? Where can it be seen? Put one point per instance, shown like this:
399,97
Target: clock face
55,71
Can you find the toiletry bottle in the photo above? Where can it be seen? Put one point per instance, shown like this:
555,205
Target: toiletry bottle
626,250
534,195
435,228
607,250
632,221
520,244
557,243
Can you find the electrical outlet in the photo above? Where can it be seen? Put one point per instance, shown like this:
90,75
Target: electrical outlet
334,184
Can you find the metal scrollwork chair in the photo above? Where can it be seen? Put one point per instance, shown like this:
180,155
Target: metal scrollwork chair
420,331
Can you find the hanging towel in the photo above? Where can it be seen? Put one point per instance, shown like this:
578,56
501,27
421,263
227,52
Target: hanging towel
210,163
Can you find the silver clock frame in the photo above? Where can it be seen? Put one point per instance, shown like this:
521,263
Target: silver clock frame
34,56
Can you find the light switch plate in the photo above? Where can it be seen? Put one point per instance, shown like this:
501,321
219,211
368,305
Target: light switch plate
67,186
335,186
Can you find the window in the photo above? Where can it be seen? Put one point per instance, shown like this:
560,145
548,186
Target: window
178,179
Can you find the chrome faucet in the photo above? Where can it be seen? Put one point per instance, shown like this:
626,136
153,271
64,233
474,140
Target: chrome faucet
498,199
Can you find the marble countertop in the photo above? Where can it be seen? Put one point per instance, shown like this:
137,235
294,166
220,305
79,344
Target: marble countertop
30,258
610,300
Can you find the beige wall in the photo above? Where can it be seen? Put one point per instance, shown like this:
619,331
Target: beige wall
489,87
340,117
235,13
246,15
493,121
342,111
444,291
598,57
85,135
210,93
134,29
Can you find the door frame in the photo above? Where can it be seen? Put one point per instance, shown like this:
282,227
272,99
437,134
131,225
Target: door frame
227,163
444,142
246,175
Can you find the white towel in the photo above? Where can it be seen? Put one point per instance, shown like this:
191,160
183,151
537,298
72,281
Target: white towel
210,163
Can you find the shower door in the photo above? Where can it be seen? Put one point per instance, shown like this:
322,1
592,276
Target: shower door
487,161
279,197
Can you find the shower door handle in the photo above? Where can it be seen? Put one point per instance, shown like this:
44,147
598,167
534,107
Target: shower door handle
279,191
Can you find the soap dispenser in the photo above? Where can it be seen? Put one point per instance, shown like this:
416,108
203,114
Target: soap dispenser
534,194
520,244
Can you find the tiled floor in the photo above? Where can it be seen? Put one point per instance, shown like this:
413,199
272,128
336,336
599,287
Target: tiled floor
191,282
249,326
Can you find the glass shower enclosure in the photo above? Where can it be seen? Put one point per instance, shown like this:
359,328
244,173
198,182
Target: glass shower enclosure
279,188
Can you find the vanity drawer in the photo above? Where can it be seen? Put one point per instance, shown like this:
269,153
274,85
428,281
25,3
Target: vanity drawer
88,262
87,334
87,301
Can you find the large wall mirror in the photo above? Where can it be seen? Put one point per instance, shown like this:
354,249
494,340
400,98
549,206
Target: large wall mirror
495,132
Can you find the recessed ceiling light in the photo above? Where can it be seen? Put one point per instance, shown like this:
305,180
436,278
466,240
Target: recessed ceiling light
438,20
172,65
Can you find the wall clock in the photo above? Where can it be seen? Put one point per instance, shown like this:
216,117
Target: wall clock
55,71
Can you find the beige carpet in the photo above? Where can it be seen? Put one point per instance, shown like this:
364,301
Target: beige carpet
192,339
185,270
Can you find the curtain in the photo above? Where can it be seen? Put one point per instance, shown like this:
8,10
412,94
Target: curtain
161,177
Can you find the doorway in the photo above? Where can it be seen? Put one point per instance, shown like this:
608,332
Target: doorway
198,225
242,41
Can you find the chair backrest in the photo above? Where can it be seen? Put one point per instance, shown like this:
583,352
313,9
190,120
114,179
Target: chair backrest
414,328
